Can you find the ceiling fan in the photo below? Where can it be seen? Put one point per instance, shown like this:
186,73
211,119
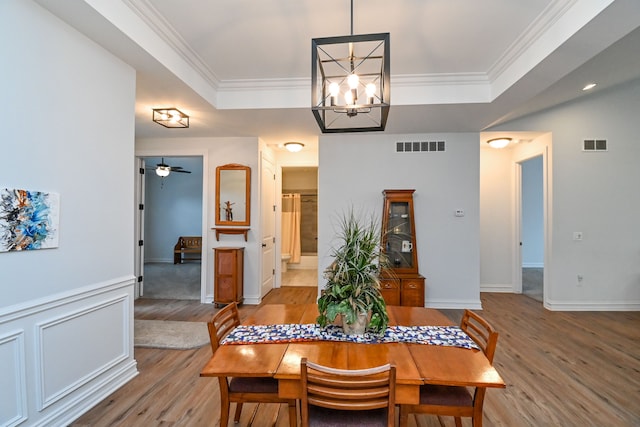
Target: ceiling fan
162,169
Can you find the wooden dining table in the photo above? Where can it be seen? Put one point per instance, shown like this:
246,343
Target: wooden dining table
416,364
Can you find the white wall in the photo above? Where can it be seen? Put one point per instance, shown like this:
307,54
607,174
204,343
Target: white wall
597,194
217,152
173,206
354,169
66,331
496,225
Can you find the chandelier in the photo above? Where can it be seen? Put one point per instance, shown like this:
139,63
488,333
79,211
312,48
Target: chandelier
350,82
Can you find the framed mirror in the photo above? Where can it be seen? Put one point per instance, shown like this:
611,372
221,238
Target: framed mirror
233,195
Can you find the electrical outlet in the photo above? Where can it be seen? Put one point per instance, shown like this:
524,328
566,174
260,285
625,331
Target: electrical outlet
577,235
580,279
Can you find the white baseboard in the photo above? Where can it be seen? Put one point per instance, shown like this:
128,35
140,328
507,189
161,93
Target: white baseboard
591,306
499,288
454,304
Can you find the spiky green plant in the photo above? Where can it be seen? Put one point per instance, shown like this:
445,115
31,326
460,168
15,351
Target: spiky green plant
353,278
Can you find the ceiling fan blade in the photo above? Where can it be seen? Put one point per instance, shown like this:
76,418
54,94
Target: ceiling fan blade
175,168
181,171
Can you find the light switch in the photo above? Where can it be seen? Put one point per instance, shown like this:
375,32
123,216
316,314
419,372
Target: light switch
459,212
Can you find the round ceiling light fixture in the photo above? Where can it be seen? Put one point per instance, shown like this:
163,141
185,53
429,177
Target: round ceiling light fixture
293,147
499,142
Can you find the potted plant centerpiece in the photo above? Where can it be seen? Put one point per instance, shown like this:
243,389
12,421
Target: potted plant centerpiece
353,278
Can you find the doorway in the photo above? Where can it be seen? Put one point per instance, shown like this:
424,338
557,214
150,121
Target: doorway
532,223
171,208
299,229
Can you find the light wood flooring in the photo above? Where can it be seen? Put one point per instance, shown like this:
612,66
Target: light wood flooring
561,369
300,277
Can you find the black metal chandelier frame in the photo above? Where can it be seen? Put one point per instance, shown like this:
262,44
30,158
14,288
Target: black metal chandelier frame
329,114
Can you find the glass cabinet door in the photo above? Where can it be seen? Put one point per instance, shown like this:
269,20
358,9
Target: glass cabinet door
398,231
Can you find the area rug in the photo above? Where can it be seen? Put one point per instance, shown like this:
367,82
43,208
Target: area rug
170,334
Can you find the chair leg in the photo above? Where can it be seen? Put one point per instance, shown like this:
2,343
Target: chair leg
404,417
458,421
293,413
236,417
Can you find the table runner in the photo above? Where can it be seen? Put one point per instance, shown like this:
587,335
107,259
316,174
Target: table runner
283,333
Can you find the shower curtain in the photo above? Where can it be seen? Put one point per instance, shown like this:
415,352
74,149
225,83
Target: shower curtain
291,214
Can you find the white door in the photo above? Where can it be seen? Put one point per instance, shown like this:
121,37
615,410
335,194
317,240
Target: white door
268,209
139,227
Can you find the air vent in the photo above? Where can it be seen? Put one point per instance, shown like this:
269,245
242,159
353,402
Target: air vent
594,145
419,146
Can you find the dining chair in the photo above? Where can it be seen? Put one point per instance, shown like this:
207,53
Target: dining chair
340,397
242,389
456,401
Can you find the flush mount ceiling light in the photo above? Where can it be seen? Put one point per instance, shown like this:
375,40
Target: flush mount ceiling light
350,82
589,86
499,142
294,147
170,118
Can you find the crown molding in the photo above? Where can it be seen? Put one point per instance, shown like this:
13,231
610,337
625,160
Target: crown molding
160,26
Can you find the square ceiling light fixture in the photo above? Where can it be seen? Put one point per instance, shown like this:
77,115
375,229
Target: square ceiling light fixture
170,118
350,82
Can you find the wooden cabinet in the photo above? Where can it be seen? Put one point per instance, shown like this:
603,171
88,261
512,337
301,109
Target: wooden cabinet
404,289
228,276
401,284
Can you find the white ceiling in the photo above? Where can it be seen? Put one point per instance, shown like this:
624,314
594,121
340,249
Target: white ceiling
242,67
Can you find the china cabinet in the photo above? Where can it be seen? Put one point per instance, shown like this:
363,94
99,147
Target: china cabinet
401,282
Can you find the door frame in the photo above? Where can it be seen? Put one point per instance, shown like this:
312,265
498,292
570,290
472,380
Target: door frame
544,150
204,266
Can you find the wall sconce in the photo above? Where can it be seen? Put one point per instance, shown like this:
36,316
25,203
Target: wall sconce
170,118
499,142
293,147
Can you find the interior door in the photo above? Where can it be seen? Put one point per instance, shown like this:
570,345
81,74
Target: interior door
139,228
268,216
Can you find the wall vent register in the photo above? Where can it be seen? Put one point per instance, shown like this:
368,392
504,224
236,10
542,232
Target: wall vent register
419,146
594,145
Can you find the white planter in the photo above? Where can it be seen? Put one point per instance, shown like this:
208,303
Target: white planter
356,328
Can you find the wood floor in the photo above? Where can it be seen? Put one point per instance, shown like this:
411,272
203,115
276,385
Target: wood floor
561,369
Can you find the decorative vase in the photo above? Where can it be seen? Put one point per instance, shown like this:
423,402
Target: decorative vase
356,328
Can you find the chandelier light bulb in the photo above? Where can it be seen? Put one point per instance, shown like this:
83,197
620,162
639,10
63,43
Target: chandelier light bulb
334,89
371,91
348,97
353,81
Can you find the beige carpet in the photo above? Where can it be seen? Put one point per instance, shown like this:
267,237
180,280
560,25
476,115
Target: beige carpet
170,334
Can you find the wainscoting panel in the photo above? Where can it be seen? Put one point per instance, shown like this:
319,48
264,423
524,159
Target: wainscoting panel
64,353
13,393
86,343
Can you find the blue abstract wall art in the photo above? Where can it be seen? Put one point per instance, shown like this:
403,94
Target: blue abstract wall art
28,220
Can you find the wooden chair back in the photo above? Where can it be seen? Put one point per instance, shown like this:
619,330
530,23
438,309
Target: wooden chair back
347,390
457,401
222,323
480,331
244,389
